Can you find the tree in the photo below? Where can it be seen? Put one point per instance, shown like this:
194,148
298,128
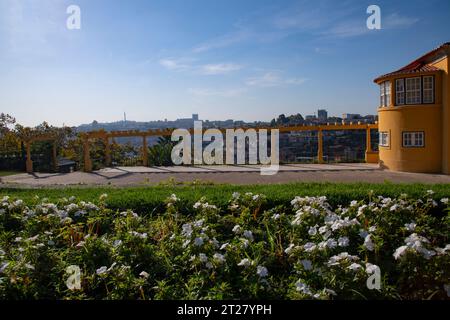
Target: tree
5,121
161,153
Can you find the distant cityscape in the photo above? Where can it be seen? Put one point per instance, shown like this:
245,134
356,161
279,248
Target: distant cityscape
320,118
348,146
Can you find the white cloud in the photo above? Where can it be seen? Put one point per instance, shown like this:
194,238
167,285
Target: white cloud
273,79
394,20
205,69
227,93
175,65
223,41
220,68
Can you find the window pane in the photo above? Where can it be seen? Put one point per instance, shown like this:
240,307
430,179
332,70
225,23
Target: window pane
413,88
413,139
400,91
428,89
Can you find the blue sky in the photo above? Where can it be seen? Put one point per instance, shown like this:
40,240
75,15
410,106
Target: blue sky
244,60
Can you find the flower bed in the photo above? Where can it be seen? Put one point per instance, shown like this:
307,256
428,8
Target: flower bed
371,249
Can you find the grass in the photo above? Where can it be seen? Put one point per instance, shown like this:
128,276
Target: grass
147,199
8,173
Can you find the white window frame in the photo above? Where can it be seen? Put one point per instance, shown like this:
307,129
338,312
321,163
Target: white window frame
413,139
431,90
385,93
400,94
384,139
416,93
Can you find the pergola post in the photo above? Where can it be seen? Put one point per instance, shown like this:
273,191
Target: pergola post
144,151
54,157
87,156
107,151
368,141
319,146
29,162
371,156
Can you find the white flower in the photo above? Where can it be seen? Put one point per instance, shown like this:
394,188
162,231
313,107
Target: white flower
355,266
399,252
410,226
102,270
444,200
289,249
144,274
323,229
245,263
329,291
117,243
394,207
447,289
363,233
199,223
312,231
307,264
368,243
203,257
198,241
430,192
262,271
219,257
3,266
248,234
310,246
197,205
224,246
343,242
354,203
237,229
302,287
103,197
187,230
276,216
29,266
245,243
236,195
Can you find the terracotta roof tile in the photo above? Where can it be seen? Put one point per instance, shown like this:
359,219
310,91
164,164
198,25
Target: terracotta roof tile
418,65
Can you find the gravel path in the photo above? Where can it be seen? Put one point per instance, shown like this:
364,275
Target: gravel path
138,176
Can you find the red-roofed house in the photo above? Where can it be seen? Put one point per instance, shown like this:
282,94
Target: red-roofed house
414,115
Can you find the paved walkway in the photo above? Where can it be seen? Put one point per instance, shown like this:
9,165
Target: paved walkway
248,174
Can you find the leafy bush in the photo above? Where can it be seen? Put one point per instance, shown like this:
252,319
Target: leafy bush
305,249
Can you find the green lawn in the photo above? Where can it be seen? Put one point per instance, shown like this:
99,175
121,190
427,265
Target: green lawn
146,199
8,173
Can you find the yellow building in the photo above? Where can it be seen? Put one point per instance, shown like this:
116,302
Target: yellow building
414,115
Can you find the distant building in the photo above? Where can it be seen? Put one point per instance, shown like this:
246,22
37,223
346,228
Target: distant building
310,117
195,116
351,116
322,114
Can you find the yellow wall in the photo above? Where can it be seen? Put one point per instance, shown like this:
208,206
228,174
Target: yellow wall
412,118
445,89
426,118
